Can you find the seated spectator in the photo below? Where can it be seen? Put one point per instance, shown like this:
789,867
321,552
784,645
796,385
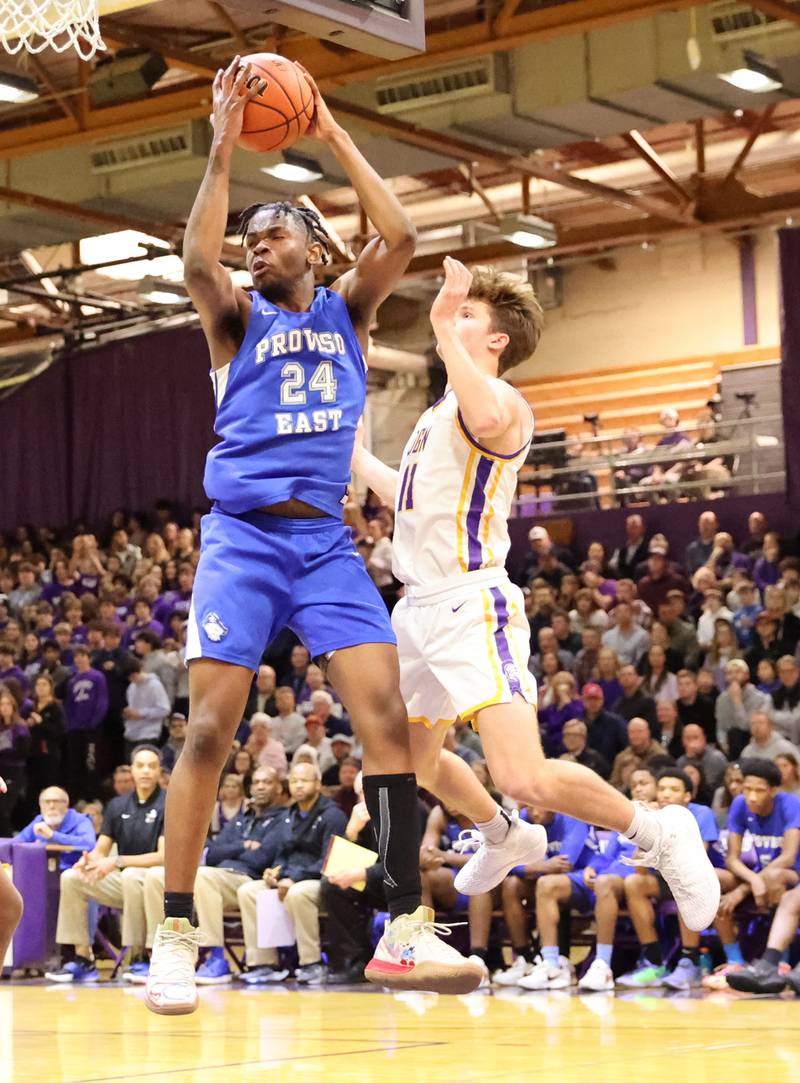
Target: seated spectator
626,558
626,638
724,560
342,749
231,804
288,725
586,659
262,695
668,730
565,887
658,681
9,670
540,605
605,589
732,784
634,701
14,745
235,863
697,751
756,532
642,892
607,732
575,737
548,644
660,579
59,824
466,737
766,643
148,707
713,610
605,876
766,570
641,749
173,746
694,706
630,476
588,612
136,824
344,794
297,675
784,702
724,649
608,676
735,706
565,599
788,625
315,682
698,552
309,824
320,742
267,750
746,612
122,780
627,593
241,763
550,670
772,819
767,676
789,767
323,706
566,842
765,744
681,631
464,752
550,569
567,640
565,705
540,543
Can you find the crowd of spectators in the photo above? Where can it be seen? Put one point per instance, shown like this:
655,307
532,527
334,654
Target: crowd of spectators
676,676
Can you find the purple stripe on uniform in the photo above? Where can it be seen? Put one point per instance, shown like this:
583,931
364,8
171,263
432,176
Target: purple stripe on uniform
475,512
510,670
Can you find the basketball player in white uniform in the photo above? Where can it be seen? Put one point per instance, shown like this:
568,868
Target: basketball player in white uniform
463,637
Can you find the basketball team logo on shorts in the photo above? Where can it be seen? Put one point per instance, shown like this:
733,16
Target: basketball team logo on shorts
214,628
511,673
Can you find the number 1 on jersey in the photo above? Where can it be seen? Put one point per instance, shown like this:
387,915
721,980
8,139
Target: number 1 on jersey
406,499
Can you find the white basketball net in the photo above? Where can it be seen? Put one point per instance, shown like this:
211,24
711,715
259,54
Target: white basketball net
35,25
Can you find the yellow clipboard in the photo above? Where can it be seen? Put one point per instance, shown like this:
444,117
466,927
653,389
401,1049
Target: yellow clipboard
343,855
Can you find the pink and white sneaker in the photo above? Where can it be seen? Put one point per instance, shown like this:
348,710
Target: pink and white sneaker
410,955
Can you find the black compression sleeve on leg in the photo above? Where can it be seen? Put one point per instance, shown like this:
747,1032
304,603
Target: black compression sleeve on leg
179,904
392,804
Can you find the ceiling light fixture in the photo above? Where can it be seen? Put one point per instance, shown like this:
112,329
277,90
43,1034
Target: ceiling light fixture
528,231
16,89
758,77
295,168
160,293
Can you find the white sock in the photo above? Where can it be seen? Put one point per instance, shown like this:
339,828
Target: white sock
496,829
644,828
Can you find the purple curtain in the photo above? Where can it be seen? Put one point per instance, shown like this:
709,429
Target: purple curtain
789,249
124,424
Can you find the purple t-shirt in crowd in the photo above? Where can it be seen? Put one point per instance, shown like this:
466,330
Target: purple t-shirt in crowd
86,701
766,831
174,601
14,673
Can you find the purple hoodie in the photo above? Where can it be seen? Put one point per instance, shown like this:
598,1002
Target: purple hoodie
15,673
86,701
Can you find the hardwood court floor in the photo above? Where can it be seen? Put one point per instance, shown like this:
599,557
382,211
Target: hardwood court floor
105,1034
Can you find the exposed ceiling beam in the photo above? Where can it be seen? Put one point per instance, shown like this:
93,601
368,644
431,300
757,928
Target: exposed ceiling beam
779,9
230,25
760,124
506,13
118,36
700,146
639,144
65,102
474,185
341,249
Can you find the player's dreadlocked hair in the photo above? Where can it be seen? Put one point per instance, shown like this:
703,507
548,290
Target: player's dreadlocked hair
303,216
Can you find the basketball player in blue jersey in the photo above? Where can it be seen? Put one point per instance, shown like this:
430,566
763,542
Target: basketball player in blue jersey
463,638
289,378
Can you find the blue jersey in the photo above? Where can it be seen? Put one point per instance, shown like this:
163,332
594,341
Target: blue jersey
287,409
569,838
766,831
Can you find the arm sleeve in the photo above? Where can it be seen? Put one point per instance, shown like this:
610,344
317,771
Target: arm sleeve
335,824
227,844
109,826
26,834
82,838
574,839
792,812
736,814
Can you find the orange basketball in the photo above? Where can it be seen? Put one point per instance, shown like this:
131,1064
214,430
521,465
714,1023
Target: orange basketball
281,114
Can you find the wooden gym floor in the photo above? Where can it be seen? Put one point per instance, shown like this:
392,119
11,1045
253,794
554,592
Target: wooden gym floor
104,1034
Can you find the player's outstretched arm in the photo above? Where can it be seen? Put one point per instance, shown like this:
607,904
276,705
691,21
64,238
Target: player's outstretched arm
218,302
382,479
489,406
383,261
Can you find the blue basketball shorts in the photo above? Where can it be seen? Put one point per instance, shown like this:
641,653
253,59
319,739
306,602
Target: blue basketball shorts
259,573
582,898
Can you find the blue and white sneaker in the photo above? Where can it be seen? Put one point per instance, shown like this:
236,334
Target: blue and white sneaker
76,971
686,975
214,971
137,973
264,975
